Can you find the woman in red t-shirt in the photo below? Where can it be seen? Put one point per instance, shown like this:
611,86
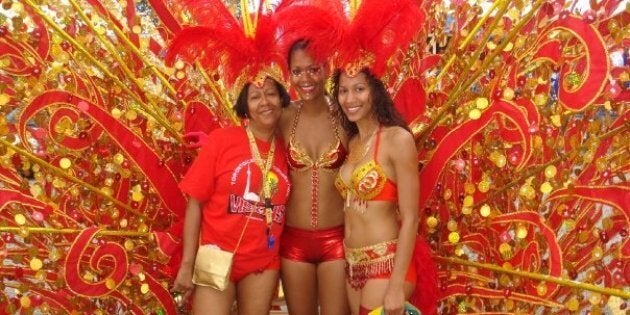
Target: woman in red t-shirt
227,196
238,185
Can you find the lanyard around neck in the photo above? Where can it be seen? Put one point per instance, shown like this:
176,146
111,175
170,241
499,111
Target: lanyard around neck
263,165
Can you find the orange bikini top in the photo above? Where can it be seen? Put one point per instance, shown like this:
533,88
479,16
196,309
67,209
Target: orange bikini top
368,181
299,160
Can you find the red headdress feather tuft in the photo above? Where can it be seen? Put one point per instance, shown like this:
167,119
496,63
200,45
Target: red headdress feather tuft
319,22
221,42
376,32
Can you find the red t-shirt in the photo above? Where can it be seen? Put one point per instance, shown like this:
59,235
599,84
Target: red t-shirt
219,177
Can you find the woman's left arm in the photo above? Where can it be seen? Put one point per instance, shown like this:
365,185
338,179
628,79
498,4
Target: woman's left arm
405,163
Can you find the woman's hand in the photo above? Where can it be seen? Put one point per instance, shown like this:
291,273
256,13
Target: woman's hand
183,285
394,301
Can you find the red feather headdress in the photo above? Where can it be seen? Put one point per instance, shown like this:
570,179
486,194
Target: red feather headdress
317,21
377,30
244,51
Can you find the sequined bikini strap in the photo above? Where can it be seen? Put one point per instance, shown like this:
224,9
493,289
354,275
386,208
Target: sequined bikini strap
333,119
295,123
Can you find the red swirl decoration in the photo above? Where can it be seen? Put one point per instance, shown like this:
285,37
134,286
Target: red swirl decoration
613,195
134,147
162,295
74,143
10,196
461,135
9,177
530,256
17,65
597,65
109,259
57,299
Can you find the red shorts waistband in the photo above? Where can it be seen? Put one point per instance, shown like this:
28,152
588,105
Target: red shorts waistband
323,233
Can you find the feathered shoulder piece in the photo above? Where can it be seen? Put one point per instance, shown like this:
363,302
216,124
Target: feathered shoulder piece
375,31
245,51
320,22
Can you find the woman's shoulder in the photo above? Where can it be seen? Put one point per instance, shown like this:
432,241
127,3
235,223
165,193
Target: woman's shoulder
288,114
291,109
226,134
397,135
398,142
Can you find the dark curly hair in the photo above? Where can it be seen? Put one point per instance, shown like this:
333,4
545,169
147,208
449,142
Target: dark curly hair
384,109
241,108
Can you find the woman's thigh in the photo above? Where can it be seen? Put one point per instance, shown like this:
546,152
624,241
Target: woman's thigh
255,292
207,300
299,281
331,281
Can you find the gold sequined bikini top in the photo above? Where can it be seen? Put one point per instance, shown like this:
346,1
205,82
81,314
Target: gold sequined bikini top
331,159
368,181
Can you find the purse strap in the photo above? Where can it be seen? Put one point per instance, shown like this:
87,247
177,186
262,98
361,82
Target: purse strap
243,231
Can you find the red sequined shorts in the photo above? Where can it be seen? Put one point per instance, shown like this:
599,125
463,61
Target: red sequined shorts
312,246
373,262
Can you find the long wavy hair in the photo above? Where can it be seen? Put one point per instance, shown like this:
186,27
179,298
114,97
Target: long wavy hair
384,109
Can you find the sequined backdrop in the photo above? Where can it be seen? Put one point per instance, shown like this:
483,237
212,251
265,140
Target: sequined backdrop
520,110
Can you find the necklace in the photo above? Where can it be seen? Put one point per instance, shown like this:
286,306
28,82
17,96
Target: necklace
265,168
360,148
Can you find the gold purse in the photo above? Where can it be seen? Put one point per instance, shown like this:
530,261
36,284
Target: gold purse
213,265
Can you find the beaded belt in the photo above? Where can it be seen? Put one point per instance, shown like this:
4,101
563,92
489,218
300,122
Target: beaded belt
368,262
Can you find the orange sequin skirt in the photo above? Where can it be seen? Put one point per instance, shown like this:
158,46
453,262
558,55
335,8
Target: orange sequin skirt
369,262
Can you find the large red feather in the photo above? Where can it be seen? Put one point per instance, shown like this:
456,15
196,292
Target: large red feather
220,42
379,29
321,26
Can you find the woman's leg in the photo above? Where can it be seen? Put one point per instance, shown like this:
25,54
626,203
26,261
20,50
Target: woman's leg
331,280
354,298
207,300
299,282
255,292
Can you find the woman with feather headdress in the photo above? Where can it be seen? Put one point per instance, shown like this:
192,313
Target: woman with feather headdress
313,265
379,180
238,185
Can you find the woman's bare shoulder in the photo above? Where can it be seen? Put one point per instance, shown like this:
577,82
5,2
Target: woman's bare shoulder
396,135
288,114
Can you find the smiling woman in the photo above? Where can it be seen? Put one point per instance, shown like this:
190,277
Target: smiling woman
239,180
312,249
262,104
242,170
379,182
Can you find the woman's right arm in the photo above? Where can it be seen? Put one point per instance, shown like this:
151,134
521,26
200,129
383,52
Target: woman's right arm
192,223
